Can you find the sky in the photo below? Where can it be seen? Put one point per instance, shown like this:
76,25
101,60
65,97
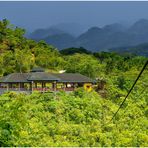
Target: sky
42,14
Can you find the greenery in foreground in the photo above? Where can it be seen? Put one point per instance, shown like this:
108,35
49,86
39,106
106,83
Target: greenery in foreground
76,119
79,118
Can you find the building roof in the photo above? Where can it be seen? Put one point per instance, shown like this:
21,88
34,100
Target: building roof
2,78
44,76
72,77
15,77
37,69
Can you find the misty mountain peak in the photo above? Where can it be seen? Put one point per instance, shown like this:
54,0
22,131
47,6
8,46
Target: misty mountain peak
114,27
141,21
141,26
74,29
94,29
42,33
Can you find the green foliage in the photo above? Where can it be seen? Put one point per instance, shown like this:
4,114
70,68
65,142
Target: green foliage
70,120
19,54
71,51
84,64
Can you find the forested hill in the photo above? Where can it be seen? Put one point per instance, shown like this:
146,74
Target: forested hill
72,119
141,49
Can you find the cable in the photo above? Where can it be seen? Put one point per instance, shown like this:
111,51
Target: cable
138,97
130,90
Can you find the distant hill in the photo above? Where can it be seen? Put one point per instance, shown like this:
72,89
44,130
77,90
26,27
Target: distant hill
141,49
75,29
72,29
114,35
139,27
60,35
95,38
40,34
60,41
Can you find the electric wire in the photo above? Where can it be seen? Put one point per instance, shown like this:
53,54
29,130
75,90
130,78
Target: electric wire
146,63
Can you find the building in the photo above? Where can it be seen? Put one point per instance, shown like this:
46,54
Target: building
38,80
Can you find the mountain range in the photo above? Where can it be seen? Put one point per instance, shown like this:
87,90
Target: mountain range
95,38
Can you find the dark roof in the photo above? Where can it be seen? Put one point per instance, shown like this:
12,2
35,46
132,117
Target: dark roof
15,77
37,69
72,77
43,76
2,78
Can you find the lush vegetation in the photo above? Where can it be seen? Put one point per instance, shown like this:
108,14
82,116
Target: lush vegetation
73,50
141,49
72,119
76,119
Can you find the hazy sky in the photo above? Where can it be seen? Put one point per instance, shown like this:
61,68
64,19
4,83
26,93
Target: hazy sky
32,15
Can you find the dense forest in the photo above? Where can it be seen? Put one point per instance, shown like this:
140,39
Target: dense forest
78,118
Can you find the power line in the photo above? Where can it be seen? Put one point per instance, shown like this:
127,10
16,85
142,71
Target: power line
130,89
139,96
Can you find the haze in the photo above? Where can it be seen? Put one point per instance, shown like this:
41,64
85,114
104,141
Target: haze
33,15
